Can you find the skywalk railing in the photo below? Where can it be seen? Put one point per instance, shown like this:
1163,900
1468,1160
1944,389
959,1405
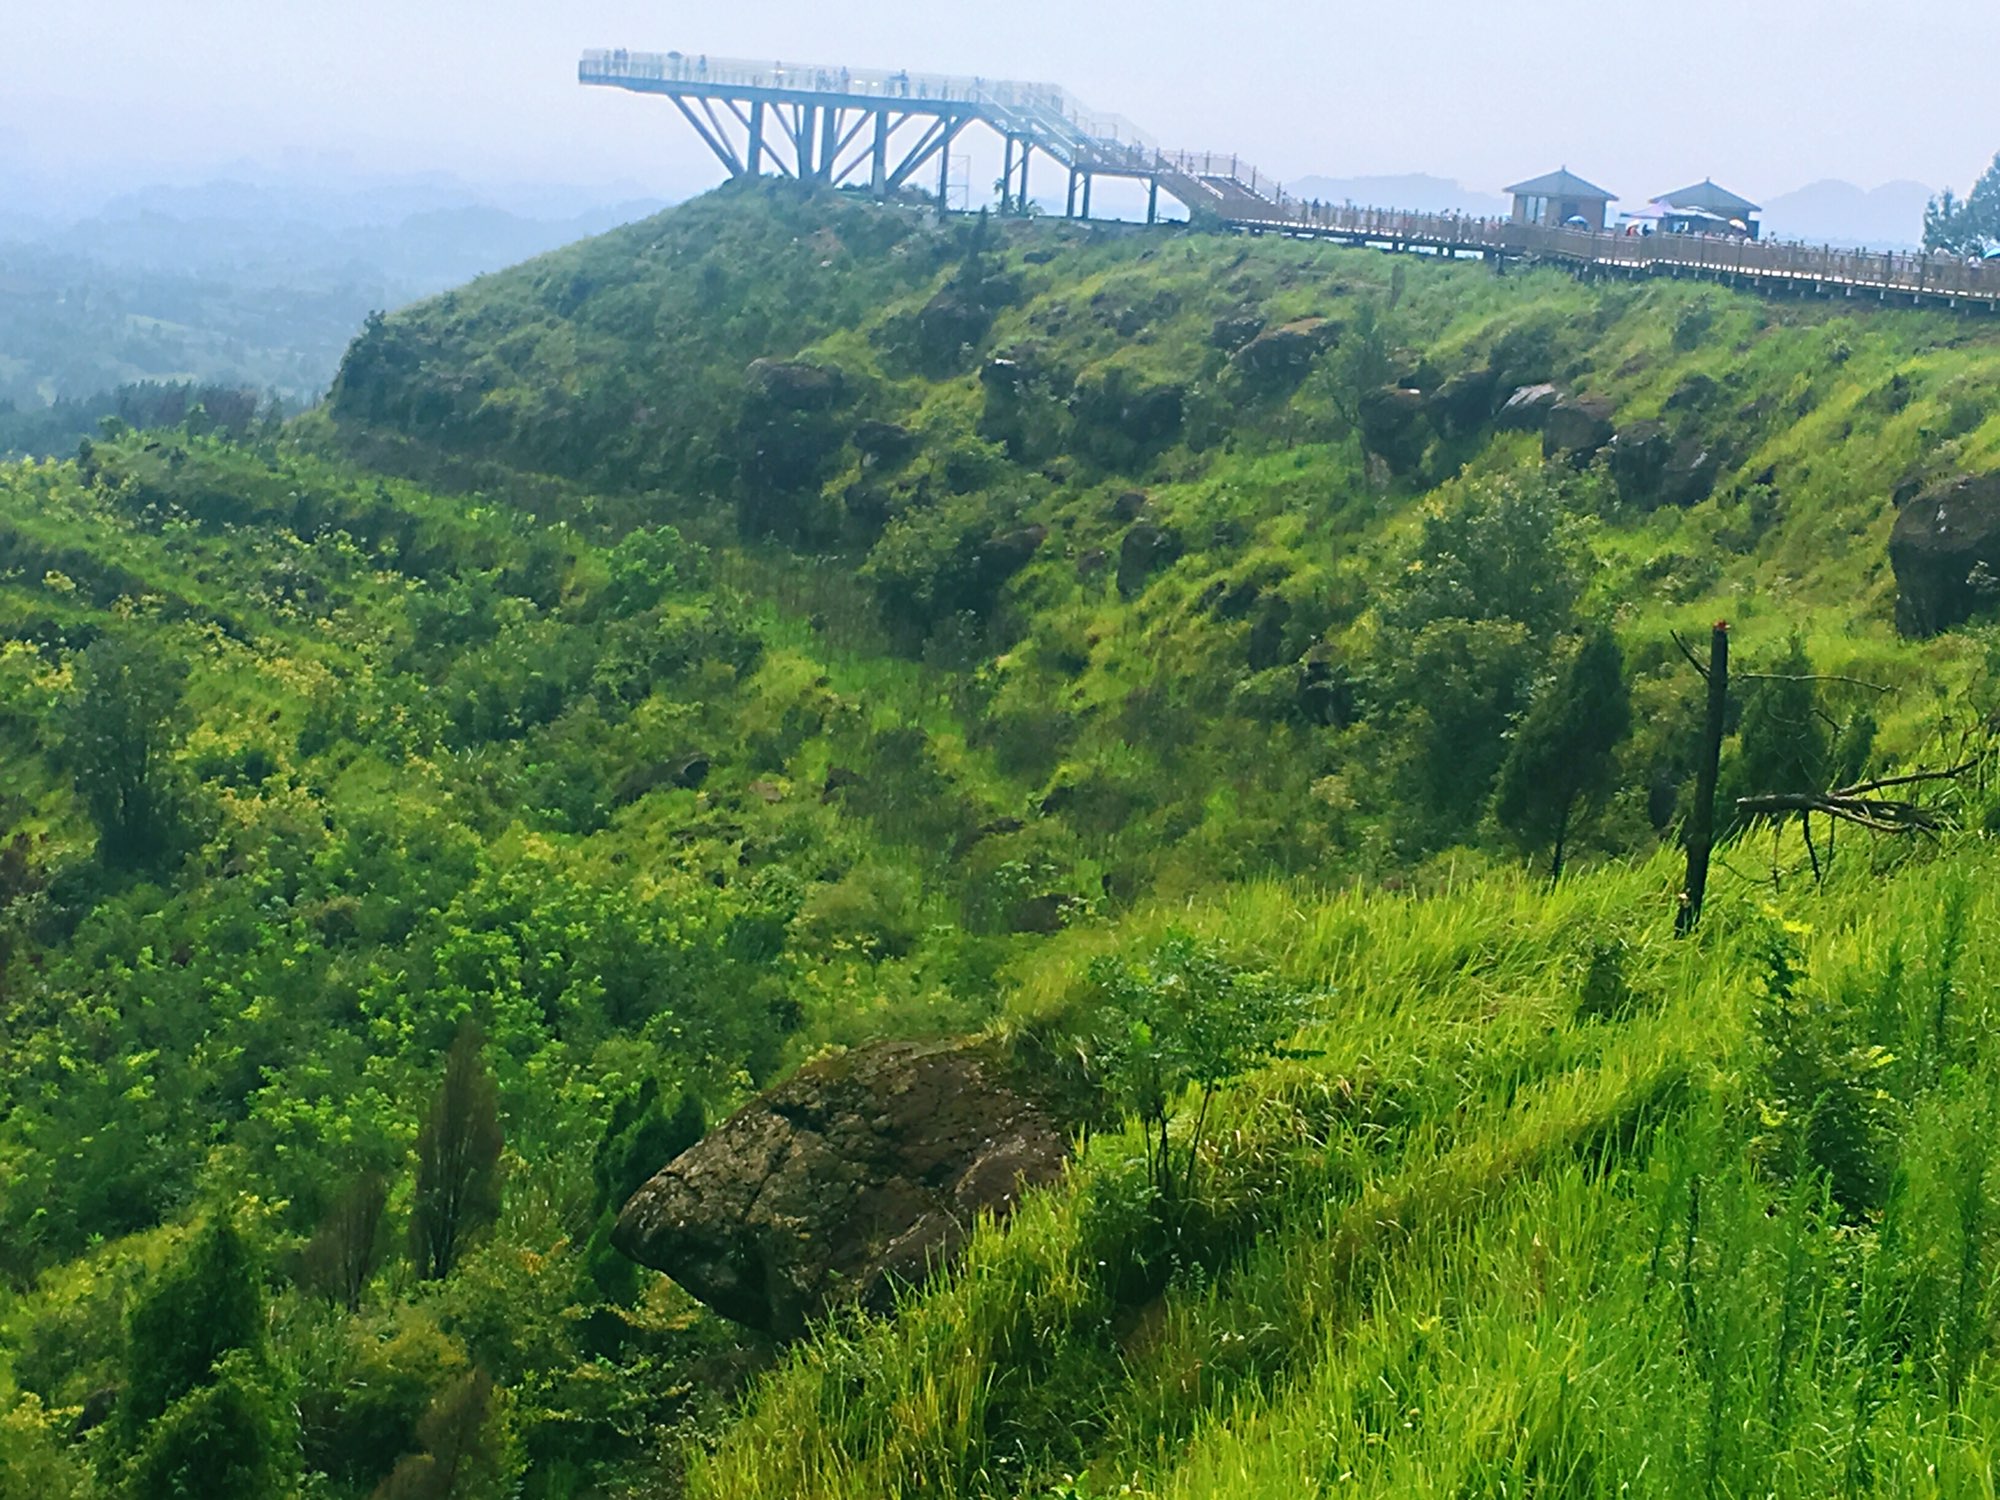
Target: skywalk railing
616,66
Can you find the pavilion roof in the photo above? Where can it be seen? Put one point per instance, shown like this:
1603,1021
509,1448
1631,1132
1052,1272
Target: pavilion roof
1716,200
1562,184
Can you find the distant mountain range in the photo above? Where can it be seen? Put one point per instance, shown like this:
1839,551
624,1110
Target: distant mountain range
1416,191
1890,217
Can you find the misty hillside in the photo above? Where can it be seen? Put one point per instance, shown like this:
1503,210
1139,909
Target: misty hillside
1078,832
241,284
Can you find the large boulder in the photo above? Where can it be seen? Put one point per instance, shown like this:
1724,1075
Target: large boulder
950,325
1528,408
1464,403
885,443
1146,550
1119,402
1691,473
1639,455
1945,548
793,385
1234,331
1578,426
861,1173
1396,426
1278,358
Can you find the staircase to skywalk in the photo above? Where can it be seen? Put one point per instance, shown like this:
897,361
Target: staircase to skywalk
1216,186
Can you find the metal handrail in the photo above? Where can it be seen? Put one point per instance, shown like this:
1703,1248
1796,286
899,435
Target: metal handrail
607,65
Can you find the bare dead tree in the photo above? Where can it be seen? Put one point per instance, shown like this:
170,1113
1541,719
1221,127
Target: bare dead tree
1701,823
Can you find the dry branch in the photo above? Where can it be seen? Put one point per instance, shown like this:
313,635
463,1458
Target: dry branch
1860,803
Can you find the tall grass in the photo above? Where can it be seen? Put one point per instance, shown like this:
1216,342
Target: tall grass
1496,1238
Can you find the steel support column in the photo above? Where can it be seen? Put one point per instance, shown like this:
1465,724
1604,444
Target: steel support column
1070,212
1007,179
1087,180
803,140
878,178
829,141
1153,202
756,151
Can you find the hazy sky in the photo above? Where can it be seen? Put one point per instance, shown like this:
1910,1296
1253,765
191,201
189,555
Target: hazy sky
1764,95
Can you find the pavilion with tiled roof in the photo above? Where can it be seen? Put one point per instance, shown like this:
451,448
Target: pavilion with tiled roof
1706,198
1559,197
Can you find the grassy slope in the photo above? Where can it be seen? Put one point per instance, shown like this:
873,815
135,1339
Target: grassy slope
1820,411
1449,1253
1524,1225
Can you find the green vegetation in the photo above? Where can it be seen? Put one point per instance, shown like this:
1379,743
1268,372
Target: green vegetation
1968,225
787,623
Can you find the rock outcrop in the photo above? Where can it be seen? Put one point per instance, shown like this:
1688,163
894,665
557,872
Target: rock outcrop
1945,548
881,442
1464,403
1396,427
1577,426
861,1173
1528,408
1278,358
792,385
1147,549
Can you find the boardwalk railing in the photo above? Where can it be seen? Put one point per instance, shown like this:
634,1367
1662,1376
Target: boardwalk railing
1888,272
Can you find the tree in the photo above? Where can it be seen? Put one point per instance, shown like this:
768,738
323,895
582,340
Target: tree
1783,741
221,1441
641,1137
1968,225
458,1160
1561,762
345,1249
124,718
204,1304
465,1448
1184,1017
1504,550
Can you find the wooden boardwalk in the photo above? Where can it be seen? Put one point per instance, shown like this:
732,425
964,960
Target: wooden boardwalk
1888,276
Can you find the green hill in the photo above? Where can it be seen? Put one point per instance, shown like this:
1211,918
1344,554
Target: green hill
789,623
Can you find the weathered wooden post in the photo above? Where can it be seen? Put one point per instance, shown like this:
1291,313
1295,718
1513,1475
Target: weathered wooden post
1701,824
